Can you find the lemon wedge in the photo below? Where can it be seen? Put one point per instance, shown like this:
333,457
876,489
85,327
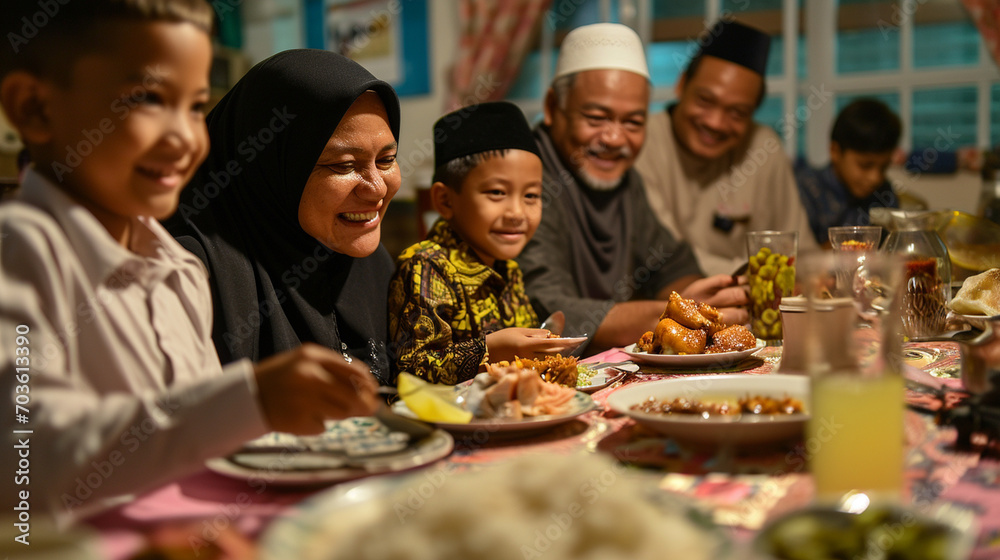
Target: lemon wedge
430,402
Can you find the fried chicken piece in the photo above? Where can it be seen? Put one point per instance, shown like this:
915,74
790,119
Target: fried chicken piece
685,312
709,312
733,338
646,343
673,336
714,328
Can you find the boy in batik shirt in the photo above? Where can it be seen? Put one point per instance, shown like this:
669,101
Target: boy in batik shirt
457,299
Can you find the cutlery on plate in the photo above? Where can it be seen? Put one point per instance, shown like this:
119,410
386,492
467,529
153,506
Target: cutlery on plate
616,365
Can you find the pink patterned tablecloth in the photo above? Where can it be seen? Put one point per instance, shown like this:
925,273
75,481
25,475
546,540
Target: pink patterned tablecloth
743,489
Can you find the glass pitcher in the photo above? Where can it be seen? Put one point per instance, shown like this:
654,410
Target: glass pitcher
927,281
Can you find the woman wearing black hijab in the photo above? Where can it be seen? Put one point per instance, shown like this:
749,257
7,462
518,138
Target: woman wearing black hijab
286,211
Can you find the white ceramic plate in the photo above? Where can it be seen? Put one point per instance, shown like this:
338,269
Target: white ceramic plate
974,321
574,341
743,430
290,465
581,404
606,376
314,530
722,359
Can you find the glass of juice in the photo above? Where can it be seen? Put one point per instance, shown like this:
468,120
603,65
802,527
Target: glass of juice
771,276
856,403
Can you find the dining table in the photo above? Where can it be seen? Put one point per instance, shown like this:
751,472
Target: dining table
742,489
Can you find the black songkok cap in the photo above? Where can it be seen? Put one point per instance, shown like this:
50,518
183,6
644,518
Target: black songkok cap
485,127
737,43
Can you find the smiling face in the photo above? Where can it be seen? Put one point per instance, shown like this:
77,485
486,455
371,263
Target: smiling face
860,172
128,131
599,128
715,107
349,190
498,207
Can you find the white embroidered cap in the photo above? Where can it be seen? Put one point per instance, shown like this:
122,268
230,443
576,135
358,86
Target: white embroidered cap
602,46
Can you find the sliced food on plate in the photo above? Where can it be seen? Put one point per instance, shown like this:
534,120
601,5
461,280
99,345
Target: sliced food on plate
514,391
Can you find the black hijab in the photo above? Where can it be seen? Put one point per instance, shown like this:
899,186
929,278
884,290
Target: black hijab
273,285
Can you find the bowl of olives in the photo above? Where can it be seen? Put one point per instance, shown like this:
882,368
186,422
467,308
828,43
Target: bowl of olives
880,531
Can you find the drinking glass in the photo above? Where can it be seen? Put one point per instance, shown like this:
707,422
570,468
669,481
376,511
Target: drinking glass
855,238
771,276
855,365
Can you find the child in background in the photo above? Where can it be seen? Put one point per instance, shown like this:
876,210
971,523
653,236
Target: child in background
105,321
862,145
457,298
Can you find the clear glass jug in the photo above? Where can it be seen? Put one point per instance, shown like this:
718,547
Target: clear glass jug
927,280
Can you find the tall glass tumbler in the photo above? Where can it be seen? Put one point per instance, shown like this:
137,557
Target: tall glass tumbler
857,398
771,276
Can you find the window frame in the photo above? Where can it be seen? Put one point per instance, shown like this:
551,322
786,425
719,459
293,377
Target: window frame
820,31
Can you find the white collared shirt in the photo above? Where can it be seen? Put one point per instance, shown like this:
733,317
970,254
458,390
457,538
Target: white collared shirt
124,387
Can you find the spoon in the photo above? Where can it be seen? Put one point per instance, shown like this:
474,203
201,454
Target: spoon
555,323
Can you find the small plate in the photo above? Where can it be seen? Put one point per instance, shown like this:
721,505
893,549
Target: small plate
606,376
349,449
581,404
739,430
906,533
722,359
974,321
572,350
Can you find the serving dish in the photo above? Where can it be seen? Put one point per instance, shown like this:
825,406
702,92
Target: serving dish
545,505
717,429
721,359
878,531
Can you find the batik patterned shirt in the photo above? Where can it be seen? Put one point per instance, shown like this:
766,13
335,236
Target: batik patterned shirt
443,301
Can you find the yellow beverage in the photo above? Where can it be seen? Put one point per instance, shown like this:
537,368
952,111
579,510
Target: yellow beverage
855,435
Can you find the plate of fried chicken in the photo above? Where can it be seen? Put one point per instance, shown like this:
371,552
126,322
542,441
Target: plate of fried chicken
690,334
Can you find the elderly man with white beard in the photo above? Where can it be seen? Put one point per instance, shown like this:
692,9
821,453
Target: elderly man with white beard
599,254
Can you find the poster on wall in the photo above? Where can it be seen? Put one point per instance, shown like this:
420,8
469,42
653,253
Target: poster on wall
387,37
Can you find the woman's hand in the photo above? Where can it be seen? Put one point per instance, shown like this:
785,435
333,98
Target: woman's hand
299,389
722,292
505,344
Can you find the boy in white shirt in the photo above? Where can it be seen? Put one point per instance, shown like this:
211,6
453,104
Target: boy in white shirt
105,321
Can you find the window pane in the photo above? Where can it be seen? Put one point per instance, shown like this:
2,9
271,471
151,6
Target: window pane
995,116
570,15
867,50
944,119
679,9
889,98
867,40
737,7
668,60
945,44
770,112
